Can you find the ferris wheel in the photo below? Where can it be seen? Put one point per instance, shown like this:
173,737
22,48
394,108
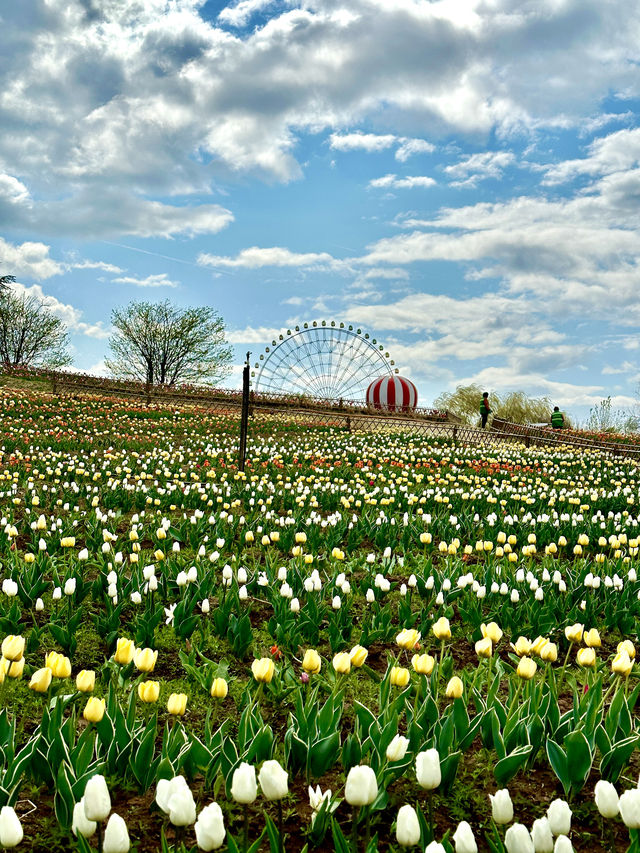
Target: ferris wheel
328,360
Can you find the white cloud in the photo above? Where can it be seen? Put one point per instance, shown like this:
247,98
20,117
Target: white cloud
396,183
361,141
240,13
410,147
96,265
159,280
275,256
253,335
27,260
620,151
478,167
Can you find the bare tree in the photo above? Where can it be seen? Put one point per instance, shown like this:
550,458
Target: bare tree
159,343
30,334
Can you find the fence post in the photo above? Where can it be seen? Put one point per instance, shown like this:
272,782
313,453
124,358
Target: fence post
244,416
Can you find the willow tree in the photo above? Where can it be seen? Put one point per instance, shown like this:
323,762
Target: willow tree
514,406
160,343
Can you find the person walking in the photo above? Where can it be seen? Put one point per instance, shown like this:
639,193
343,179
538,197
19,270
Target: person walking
557,419
485,409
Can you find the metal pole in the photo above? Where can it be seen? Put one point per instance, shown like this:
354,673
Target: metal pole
244,417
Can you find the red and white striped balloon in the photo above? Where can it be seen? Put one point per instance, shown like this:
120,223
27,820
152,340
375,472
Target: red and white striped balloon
393,393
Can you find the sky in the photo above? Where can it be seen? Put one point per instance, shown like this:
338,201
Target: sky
458,178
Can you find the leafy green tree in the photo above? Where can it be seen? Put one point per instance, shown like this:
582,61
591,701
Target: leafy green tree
30,334
159,343
514,406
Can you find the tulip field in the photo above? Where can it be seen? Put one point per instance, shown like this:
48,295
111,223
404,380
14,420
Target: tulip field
362,642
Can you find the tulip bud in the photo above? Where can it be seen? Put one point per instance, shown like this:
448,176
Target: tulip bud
629,804
464,840
518,840
559,817
148,691
219,688
80,825
399,676
397,749
263,669
210,831
358,656
407,827
586,657
408,638
97,802
244,788
549,652
492,631
342,663
181,807
125,650
145,659
622,664
428,771
177,705
501,807
11,833
85,680
273,780
484,647
441,629
116,836
573,633
40,680
542,836
423,664
526,668
606,797
592,638
13,647
312,662
94,709
454,688
361,788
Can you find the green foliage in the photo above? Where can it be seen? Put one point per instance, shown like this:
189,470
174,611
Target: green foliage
514,406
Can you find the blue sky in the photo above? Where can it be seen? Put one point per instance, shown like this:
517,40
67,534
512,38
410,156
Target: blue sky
459,178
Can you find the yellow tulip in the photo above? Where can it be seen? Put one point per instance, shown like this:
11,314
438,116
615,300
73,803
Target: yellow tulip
145,659
263,669
219,688
94,709
526,668
484,647
125,649
522,646
13,647
85,680
628,647
538,643
59,665
399,676
408,638
148,691
358,655
12,668
40,680
586,657
312,662
455,688
423,664
493,631
441,629
622,664
549,652
342,662
573,633
177,704
592,639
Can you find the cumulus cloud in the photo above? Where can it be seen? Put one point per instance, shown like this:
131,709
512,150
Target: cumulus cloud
154,100
619,151
395,183
275,256
361,141
28,260
160,280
